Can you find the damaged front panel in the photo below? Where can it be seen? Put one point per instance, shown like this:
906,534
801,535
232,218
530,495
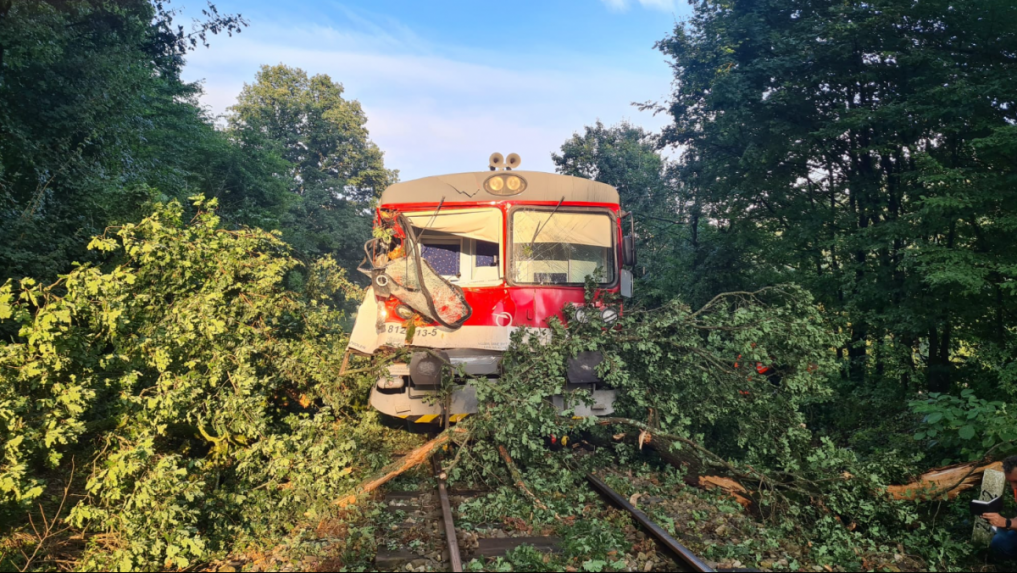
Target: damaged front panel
367,337
403,273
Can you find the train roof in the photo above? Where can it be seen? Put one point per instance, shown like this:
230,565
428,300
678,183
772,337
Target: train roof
469,188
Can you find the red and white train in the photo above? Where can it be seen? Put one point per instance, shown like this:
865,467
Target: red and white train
459,262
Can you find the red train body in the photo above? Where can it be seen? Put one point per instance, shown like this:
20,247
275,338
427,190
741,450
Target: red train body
498,251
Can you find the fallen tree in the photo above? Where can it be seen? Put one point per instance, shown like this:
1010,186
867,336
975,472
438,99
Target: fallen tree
947,481
719,392
401,465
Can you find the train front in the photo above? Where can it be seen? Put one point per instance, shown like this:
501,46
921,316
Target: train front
459,262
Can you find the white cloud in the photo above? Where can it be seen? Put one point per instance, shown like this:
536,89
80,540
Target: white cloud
443,113
623,5
617,5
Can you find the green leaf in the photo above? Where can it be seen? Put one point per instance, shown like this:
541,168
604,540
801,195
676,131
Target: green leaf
967,432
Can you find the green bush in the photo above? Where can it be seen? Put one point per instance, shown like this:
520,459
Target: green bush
963,428
199,396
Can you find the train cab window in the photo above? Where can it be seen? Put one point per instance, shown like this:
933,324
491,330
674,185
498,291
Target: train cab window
562,247
487,254
462,245
444,255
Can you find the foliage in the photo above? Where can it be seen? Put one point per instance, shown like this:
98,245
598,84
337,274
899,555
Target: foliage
747,424
208,389
335,170
664,359
92,115
865,151
965,425
185,376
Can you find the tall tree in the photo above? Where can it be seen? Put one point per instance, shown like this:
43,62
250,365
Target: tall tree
866,150
87,89
670,228
336,171
626,157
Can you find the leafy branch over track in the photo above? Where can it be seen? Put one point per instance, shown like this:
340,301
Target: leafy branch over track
722,388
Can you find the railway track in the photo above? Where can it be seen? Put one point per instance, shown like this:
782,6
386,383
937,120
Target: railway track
438,545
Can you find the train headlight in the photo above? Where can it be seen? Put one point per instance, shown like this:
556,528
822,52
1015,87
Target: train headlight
505,185
404,312
609,315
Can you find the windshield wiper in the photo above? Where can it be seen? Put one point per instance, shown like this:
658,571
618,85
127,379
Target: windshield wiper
433,217
546,221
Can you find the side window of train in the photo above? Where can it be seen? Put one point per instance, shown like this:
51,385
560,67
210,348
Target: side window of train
486,261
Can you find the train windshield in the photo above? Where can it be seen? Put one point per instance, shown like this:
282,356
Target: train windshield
553,246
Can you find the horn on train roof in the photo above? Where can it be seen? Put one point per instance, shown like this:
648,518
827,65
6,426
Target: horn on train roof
496,161
512,161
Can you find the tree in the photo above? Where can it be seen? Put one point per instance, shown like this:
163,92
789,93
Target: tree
858,148
196,397
624,156
335,171
85,89
669,223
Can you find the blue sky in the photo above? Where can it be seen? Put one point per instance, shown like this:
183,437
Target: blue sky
444,84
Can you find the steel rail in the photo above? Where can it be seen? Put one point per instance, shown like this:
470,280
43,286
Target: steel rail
680,550
446,517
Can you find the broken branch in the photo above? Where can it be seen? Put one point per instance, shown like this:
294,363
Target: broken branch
411,460
517,477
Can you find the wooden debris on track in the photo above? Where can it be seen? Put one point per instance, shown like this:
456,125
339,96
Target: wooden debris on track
949,481
728,485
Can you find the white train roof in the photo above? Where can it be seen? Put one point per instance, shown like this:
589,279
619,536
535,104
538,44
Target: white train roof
469,187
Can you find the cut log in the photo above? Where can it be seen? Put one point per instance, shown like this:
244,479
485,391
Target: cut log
407,462
949,481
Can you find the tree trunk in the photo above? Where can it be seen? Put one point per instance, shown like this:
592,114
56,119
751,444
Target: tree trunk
411,460
939,369
857,353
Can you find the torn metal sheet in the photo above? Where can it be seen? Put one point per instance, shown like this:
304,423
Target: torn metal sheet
404,274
